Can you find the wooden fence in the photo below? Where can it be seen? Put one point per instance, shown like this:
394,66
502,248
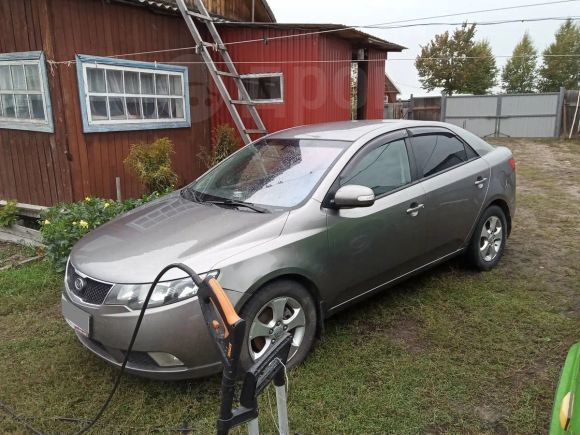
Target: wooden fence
417,108
571,115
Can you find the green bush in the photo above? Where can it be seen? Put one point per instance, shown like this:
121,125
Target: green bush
8,214
64,224
151,163
225,141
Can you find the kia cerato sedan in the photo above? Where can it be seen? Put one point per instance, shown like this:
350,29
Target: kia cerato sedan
296,226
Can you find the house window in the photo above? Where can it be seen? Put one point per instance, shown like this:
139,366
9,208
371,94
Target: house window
265,88
128,95
24,94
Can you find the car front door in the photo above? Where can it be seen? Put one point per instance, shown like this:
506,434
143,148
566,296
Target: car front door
370,246
455,180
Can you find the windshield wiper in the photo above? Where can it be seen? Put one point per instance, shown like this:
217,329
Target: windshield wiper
235,203
189,194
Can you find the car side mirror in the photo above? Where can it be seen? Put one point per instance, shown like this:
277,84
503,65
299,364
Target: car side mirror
354,196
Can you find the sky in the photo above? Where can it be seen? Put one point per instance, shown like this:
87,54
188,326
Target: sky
502,37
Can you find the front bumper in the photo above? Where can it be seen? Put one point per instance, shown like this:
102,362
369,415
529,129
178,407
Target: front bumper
177,329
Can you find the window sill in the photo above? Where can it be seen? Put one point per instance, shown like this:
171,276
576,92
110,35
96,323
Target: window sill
40,127
102,128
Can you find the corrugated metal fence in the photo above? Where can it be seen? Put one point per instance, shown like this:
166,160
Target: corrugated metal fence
502,115
507,115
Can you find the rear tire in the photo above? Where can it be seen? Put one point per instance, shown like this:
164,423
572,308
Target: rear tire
488,240
278,305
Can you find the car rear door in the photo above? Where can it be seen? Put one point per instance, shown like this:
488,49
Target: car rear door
370,246
455,180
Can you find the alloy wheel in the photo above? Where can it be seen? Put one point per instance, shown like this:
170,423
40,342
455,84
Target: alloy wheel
282,314
491,238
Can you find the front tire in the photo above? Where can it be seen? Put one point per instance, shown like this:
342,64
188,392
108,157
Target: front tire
489,239
278,307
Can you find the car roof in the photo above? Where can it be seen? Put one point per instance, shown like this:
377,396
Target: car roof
350,130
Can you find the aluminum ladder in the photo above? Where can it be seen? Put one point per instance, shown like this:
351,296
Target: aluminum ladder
202,48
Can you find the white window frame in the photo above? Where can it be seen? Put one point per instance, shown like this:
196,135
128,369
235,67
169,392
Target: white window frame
260,75
28,58
85,62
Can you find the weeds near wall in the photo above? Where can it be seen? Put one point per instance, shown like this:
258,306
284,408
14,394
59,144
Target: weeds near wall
224,142
8,214
151,163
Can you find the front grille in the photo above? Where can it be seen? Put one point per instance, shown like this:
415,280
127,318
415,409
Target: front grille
93,292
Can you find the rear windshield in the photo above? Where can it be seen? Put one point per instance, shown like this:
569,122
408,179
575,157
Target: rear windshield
271,172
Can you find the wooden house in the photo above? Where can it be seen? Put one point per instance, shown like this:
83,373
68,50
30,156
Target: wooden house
83,80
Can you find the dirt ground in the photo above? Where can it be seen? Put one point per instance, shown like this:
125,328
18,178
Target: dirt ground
546,241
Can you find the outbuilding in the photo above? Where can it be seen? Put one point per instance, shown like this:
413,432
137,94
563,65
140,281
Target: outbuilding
83,80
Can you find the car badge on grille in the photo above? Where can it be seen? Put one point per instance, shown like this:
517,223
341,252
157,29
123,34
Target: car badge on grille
79,284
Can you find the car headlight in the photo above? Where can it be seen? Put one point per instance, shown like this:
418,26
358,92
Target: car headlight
133,295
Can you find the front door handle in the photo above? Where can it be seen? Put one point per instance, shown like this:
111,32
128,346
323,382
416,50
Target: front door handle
480,181
414,208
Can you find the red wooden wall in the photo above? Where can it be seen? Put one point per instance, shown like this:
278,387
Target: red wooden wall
43,169
313,91
376,84
34,167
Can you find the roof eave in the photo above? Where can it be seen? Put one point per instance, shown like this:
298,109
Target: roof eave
349,33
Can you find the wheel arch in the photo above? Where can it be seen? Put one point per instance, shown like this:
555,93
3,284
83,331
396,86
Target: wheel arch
497,201
292,275
502,203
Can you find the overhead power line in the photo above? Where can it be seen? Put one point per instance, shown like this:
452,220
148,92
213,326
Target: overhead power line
277,62
286,62
481,23
480,11
381,26
378,25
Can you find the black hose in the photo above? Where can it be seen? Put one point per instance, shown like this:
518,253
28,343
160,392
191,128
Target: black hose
19,419
197,281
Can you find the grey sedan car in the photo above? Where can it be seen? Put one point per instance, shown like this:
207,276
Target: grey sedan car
296,226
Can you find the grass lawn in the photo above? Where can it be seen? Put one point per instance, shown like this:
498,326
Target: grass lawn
451,351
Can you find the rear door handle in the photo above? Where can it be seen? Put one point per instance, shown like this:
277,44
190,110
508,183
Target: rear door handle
480,181
414,209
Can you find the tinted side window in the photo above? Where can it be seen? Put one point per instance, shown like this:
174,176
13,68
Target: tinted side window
470,153
436,152
383,168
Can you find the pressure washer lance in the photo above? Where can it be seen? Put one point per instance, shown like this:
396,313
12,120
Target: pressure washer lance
228,330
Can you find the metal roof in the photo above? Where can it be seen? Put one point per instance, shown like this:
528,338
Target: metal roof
389,82
171,5
340,30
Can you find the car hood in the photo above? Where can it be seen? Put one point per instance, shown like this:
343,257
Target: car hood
134,247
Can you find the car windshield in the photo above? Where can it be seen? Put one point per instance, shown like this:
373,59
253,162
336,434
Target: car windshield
270,172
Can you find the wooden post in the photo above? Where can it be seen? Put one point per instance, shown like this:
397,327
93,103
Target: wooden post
559,112
118,186
575,114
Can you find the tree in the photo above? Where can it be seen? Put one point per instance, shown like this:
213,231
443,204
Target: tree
457,63
520,75
480,71
561,66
